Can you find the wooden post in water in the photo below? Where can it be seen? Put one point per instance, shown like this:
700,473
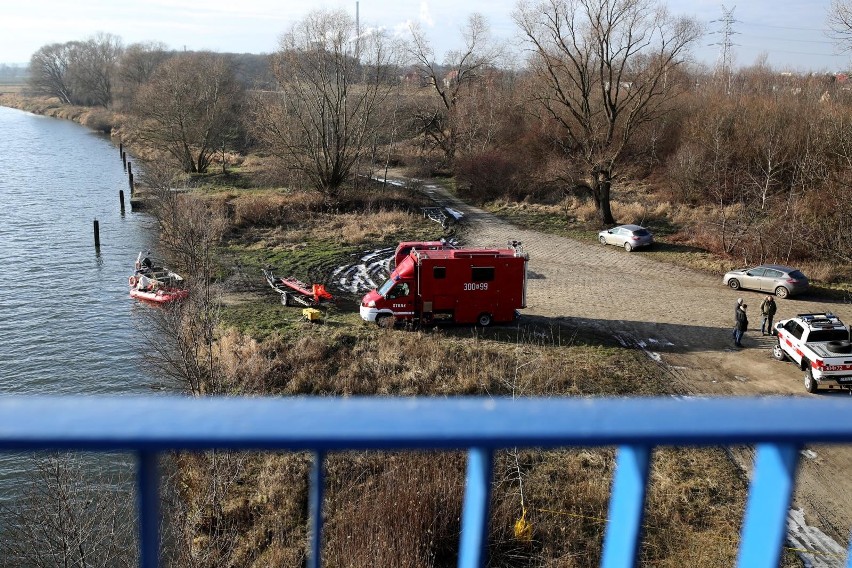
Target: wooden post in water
121,199
97,235
124,160
130,181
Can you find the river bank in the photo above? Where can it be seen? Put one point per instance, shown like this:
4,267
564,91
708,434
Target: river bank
98,119
254,516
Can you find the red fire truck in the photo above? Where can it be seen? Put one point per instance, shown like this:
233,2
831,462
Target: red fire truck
462,285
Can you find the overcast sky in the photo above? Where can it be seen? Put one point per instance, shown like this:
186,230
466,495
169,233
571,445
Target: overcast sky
790,32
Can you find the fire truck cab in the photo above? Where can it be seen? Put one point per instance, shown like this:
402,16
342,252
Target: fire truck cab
463,285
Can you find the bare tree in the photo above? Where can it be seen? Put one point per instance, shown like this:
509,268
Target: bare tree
49,71
453,80
93,69
606,69
137,66
139,62
190,229
70,515
188,107
840,22
77,72
332,86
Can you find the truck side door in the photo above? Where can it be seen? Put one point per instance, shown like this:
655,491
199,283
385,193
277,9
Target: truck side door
401,297
791,337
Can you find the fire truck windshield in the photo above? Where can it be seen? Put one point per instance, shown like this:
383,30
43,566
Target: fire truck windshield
385,288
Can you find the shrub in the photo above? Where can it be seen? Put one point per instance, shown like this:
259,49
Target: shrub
488,176
98,119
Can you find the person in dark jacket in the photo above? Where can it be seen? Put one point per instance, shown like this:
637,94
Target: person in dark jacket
737,307
767,310
741,325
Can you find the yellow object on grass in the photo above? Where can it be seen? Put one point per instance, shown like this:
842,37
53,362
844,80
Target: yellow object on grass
311,314
523,529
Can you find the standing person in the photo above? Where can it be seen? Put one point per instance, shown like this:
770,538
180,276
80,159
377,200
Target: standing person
736,311
741,325
767,310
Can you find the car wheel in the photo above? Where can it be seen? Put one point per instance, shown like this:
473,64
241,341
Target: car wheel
778,353
484,319
627,247
734,284
781,292
602,239
810,382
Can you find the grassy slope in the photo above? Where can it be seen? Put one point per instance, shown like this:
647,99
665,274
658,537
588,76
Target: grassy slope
402,509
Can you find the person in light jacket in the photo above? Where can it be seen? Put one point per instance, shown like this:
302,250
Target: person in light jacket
741,325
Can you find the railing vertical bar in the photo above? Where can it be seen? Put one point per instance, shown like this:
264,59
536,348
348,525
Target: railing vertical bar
315,508
769,496
849,555
148,488
477,494
626,507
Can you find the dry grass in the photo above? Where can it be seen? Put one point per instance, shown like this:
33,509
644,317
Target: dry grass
297,216
403,509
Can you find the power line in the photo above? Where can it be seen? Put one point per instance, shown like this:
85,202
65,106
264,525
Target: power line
772,50
821,30
793,40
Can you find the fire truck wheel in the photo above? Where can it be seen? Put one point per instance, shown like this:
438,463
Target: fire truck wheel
385,321
778,353
810,383
484,319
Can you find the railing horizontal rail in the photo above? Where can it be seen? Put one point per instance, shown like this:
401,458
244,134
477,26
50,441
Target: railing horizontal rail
160,422
151,425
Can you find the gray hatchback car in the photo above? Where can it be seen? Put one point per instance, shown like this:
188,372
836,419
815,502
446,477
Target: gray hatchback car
777,279
627,236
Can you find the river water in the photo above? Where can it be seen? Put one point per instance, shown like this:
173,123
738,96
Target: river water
66,320
67,323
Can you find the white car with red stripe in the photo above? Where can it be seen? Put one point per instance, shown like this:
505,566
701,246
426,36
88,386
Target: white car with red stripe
819,344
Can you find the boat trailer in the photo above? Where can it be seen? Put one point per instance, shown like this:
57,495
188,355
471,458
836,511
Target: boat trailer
294,291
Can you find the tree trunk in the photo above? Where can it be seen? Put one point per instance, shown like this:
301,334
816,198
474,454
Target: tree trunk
601,184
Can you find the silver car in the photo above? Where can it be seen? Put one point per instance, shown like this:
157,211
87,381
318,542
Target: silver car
627,236
776,279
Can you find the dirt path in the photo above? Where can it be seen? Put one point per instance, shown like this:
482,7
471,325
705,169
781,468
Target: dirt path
682,319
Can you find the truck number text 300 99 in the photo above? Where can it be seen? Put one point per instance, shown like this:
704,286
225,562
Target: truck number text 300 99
475,286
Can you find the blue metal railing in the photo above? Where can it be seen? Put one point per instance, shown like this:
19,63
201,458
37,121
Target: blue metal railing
151,425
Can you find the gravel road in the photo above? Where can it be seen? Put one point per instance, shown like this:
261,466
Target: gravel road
682,319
